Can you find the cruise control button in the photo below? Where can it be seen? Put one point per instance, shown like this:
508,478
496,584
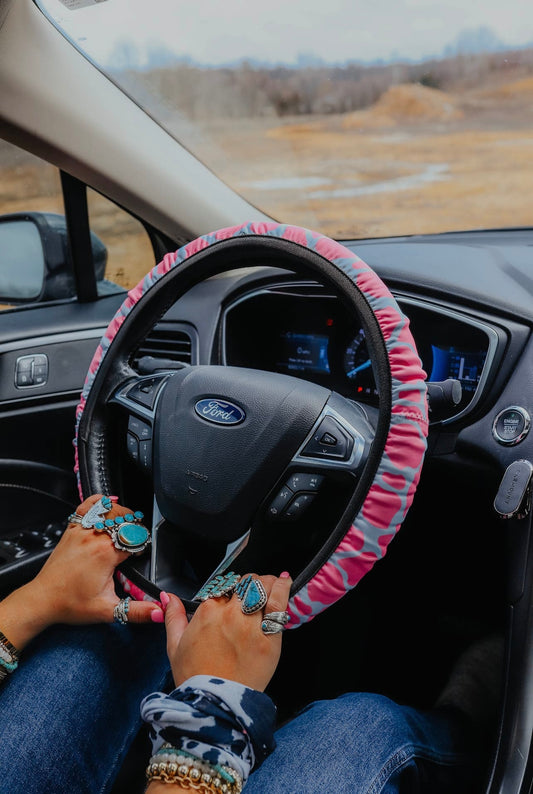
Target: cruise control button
298,505
330,440
305,482
133,447
280,502
141,429
145,454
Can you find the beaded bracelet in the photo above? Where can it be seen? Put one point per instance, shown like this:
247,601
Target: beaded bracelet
8,647
169,761
218,721
9,657
171,767
9,667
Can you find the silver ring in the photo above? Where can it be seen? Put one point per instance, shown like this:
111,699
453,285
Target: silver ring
74,518
278,617
120,612
271,626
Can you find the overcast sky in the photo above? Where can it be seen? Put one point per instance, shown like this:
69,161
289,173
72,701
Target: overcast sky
218,31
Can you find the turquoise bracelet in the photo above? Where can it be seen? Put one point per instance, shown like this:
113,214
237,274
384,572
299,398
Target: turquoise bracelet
10,667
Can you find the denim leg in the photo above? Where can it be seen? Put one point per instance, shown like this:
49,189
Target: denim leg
71,709
366,744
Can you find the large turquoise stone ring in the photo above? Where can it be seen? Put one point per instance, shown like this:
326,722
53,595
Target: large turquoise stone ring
131,537
253,598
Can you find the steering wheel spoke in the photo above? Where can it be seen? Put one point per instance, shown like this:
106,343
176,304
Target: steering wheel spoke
138,397
336,449
340,439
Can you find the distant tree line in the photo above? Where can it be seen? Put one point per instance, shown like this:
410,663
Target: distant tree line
249,91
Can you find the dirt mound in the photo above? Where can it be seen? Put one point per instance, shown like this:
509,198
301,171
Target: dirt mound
517,89
406,104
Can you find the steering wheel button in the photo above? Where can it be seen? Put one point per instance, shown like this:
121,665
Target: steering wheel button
298,505
302,481
330,440
133,447
145,391
280,502
141,429
145,454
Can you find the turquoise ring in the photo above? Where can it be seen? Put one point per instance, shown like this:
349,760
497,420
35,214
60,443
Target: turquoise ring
251,594
221,585
130,537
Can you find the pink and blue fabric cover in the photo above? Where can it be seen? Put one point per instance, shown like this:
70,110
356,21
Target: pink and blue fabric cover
398,473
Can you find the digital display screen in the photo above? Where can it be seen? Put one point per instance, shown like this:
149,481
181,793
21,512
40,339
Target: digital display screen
304,353
465,366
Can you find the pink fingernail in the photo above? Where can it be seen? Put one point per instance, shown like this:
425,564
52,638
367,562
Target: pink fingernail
157,616
284,575
164,598
114,498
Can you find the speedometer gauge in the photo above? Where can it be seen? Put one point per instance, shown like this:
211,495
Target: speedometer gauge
357,364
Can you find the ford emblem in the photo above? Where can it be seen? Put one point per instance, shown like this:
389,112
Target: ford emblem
219,411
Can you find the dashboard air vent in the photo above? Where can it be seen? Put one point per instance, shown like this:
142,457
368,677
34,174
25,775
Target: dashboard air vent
167,345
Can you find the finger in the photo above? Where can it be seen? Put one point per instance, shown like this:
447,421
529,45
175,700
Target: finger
175,618
88,503
277,603
145,612
279,594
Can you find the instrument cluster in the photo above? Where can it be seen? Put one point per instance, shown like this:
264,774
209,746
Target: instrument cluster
302,331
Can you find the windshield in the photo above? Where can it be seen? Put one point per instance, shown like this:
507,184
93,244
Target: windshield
356,119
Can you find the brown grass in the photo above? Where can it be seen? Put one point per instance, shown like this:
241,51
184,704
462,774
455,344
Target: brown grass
418,161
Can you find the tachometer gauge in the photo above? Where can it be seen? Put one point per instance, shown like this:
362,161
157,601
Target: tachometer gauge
357,364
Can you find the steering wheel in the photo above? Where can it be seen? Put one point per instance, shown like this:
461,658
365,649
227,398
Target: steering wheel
243,468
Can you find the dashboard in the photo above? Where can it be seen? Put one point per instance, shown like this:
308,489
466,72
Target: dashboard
300,330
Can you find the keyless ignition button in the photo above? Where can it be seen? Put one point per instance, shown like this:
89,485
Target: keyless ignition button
511,425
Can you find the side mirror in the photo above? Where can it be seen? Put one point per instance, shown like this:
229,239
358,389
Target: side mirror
35,261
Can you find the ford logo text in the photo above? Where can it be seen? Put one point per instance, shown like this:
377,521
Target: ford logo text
220,412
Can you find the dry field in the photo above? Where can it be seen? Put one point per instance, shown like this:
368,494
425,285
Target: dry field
419,160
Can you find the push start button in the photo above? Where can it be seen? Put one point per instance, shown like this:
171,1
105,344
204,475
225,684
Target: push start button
511,425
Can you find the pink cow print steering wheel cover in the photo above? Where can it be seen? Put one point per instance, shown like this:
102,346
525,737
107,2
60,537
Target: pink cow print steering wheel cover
392,490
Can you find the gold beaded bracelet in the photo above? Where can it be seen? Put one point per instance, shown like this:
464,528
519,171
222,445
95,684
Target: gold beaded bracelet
192,777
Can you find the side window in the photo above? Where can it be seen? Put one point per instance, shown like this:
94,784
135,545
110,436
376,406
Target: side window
35,264
27,185
129,251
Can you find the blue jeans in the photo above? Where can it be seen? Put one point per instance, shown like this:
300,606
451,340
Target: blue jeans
71,711
363,743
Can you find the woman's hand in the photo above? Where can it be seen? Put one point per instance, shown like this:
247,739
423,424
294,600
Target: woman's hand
74,586
222,641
